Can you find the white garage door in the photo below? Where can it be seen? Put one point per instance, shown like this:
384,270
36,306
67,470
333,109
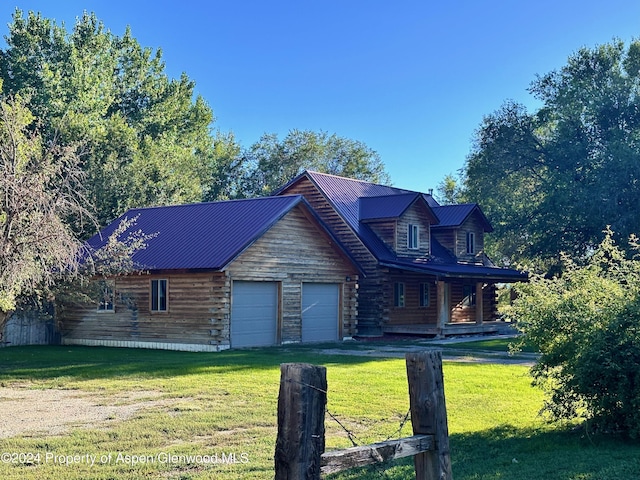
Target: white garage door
254,314
320,315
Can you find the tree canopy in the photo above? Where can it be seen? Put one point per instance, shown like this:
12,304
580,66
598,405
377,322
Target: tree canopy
270,162
147,138
552,180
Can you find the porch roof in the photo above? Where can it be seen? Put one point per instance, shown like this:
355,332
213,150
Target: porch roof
459,270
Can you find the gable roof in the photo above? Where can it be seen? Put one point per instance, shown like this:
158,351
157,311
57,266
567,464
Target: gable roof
391,206
456,215
355,200
204,236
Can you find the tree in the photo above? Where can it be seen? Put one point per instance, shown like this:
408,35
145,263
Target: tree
550,181
448,191
586,324
147,137
40,190
270,163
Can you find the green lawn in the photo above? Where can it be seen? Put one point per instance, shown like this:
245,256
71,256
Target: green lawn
224,404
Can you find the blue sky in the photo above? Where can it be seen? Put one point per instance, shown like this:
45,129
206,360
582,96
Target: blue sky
411,79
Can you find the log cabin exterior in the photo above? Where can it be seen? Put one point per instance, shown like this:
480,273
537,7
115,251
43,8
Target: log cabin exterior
223,275
425,268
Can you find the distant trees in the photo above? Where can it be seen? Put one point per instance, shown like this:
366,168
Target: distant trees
270,162
552,180
449,191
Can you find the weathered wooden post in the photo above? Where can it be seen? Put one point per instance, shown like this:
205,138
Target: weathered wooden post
301,405
429,413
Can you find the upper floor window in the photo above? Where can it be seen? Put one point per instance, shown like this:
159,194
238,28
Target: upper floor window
106,299
398,294
471,243
413,237
158,295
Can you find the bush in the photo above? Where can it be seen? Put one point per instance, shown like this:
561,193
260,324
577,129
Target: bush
586,325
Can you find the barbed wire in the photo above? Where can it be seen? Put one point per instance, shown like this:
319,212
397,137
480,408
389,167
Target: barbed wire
378,466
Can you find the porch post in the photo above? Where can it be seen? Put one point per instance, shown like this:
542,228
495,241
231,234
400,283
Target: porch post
479,303
443,310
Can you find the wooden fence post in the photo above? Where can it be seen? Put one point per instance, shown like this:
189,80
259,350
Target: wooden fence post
429,413
301,405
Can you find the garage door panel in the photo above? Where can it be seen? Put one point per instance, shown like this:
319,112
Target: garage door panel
320,312
254,314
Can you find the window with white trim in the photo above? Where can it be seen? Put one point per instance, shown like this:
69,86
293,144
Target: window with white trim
413,237
398,294
159,295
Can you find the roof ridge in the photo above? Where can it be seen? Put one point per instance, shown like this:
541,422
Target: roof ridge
403,190
212,202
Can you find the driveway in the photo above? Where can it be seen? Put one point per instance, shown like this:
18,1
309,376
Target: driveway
453,349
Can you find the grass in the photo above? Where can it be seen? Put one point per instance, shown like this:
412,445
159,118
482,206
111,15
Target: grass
224,404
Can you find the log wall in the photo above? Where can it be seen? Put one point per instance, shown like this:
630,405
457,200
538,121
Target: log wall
304,253
373,307
293,251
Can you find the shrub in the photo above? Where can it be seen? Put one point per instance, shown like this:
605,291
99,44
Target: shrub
586,325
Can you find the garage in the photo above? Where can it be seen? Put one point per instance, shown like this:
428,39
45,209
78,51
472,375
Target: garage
320,312
254,314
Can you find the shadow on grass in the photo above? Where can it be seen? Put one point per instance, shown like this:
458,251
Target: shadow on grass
510,453
86,363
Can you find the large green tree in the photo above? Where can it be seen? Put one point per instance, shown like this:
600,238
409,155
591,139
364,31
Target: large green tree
147,137
270,162
552,180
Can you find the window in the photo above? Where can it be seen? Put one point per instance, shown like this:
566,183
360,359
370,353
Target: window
398,294
106,296
468,295
471,243
158,295
424,294
413,240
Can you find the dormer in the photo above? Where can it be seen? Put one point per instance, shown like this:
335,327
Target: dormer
461,231
403,222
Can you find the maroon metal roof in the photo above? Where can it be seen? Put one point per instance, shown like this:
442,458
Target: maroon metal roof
201,235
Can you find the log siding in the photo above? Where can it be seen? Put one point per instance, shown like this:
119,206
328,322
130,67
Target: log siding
293,251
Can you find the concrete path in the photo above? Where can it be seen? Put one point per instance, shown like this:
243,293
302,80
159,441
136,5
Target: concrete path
449,347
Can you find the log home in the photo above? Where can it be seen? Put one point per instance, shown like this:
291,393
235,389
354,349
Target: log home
425,268
217,275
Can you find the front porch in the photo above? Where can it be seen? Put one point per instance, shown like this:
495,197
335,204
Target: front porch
451,329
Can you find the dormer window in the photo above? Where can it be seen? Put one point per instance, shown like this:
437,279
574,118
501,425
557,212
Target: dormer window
471,243
413,237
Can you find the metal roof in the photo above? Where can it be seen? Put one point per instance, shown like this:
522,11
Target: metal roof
455,215
356,199
201,235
